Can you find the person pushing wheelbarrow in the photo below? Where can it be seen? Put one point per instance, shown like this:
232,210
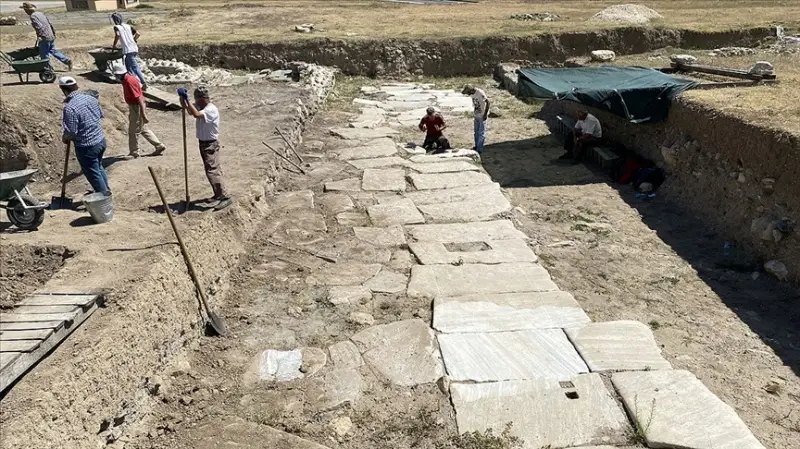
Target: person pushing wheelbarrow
207,121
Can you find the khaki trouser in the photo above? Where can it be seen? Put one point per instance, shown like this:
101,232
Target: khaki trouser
137,126
209,151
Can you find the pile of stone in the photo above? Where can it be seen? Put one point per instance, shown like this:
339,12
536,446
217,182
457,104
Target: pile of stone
732,51
8,21
159,71
537,17
636,14
603,56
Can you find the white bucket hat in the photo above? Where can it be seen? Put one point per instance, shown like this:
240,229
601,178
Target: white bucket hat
118,69
67,81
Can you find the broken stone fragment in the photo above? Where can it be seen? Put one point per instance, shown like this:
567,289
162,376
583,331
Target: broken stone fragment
777,269
603,56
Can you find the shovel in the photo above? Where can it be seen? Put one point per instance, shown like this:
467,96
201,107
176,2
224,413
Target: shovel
185,161
215,321
62,202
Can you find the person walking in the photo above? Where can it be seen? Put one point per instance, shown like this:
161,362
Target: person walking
480,103
45,35
83,127
127,36
137,113
207,121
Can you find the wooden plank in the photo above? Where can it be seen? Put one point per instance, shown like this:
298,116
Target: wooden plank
36,334
6,358
19,345
33,317
12,370
45,309
706,86
167,99
722,71
4,327
59,300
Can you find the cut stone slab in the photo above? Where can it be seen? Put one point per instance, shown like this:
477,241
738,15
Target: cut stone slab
240,433
345,185
387,281
372,149
466,232
404,352
501,251
618,346
383,237
301,199
449,166
541,413
396,212
681,411
461,154
454,195
518,355
370,117
352,219
507,312
349,295
478,209
336,202
401,261
401,106
381,162
363,133
384,179
431,158
345,354
273,365
306,220
433,281
339,386
347,273
345,249
423,181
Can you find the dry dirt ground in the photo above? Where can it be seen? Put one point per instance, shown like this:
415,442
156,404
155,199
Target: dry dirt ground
273,20
24,268
623,258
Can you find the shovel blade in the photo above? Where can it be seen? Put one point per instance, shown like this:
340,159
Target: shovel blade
217,324
59,202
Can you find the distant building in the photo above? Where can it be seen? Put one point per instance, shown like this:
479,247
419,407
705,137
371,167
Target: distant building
100,5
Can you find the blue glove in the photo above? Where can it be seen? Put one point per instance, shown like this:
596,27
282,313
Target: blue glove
183,93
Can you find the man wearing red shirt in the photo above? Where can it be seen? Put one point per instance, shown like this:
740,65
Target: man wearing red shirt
433,125
137,113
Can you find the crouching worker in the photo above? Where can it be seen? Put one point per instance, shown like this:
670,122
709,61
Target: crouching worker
207,131
433,125
587,132
83,127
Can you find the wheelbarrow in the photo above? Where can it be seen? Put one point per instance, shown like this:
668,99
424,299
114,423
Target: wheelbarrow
24,211
26,61
104,56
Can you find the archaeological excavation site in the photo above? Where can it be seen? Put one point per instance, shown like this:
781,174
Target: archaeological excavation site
369,224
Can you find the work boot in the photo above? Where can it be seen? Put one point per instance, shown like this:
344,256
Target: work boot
223,203
69,65
134,155
159,150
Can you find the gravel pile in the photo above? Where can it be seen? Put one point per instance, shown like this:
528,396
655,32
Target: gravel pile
537,17
175,72
636,14
732,51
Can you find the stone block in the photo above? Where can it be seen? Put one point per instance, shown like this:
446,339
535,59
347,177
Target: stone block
507,312
345,185
465,232
617,346
424,181
382,237
363,133
335,203
541,413
381,162
518,355
449,166
384,179
373,149
433,281
387,281
301,199
674,409
395,212
347,273
404,352
499,251
345,355
454,195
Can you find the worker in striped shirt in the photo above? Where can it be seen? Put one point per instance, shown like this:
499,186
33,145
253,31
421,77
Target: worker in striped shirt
45,35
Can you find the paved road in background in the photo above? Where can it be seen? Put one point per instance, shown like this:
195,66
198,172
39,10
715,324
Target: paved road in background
7,6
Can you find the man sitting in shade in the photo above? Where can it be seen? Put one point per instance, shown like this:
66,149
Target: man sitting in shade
587,132
433,125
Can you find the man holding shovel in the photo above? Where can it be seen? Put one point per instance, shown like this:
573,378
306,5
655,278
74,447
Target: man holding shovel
137,113
206,117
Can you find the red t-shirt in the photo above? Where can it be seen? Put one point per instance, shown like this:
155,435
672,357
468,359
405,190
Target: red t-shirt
431,123
131,89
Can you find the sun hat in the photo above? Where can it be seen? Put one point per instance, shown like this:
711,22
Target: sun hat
67,81
27,5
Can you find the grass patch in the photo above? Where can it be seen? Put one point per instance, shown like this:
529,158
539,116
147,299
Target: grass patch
483,440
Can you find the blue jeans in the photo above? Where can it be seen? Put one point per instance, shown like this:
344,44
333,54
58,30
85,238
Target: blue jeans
480,134
133,67
91,161
47,48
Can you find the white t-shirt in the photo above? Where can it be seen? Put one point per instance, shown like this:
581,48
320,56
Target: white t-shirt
479,103
590,125
125,33
207,126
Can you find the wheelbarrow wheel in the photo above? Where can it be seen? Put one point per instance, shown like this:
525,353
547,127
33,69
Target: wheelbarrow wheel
47,76
28,219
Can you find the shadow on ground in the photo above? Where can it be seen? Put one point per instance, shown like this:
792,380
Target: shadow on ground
768,307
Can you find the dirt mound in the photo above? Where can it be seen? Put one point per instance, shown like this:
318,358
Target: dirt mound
25,268
637,14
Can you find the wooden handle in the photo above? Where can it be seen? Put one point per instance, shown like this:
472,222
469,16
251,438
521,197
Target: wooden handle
64,174
185,160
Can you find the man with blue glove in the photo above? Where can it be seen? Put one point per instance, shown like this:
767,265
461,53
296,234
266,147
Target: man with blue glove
206,117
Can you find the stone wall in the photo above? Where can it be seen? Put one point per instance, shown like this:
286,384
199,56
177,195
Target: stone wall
445,57
741,178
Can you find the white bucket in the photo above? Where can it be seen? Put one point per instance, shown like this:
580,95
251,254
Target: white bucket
100,207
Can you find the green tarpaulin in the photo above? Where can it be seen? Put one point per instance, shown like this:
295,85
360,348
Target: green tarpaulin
639,94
